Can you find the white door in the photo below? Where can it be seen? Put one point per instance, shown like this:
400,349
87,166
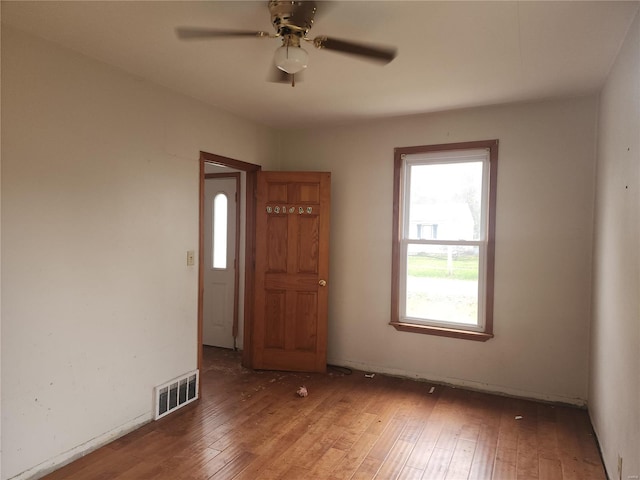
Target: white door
219,261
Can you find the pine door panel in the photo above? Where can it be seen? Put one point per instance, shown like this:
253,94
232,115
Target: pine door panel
292,267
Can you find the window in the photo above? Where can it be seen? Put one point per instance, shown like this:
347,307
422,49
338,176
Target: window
220,231
444,231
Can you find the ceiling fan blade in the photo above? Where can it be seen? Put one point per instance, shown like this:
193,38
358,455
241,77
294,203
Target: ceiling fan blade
197,33
376,53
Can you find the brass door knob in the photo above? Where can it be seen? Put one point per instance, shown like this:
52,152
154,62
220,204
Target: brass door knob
322,283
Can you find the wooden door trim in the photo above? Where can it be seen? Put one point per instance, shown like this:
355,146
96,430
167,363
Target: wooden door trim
236,266
250,241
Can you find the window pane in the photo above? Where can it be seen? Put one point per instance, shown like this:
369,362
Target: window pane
220,231
442,283
445,201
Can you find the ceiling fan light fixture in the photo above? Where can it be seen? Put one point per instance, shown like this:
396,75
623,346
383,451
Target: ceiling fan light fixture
291,59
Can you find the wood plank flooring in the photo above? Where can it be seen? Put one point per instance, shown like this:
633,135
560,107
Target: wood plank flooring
252,426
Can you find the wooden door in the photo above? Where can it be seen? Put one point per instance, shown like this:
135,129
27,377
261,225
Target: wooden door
292,271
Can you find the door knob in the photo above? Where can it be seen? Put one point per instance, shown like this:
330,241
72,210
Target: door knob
322,283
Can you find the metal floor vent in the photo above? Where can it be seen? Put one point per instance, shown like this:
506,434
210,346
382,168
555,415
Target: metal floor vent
176,393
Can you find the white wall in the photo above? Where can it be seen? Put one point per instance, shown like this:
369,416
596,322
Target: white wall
543,246
99,207
614,393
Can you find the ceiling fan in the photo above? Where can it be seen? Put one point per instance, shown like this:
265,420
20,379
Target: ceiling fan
292,20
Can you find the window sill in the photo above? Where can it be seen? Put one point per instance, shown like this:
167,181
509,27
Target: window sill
442,331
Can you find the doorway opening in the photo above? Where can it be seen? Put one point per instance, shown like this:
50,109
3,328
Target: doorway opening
244,243
221,259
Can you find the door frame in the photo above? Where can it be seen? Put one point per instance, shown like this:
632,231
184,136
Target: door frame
251,171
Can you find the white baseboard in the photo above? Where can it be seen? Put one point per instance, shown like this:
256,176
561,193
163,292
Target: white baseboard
80,451
469,385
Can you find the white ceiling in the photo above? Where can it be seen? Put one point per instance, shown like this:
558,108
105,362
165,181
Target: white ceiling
450,54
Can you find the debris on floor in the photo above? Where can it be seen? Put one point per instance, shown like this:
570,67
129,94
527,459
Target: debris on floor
302,391
518,417
369,375
432,389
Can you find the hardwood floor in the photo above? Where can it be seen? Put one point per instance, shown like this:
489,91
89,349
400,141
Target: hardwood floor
252,426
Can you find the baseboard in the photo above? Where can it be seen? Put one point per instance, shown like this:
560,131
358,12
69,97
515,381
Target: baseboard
80,451
469,385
